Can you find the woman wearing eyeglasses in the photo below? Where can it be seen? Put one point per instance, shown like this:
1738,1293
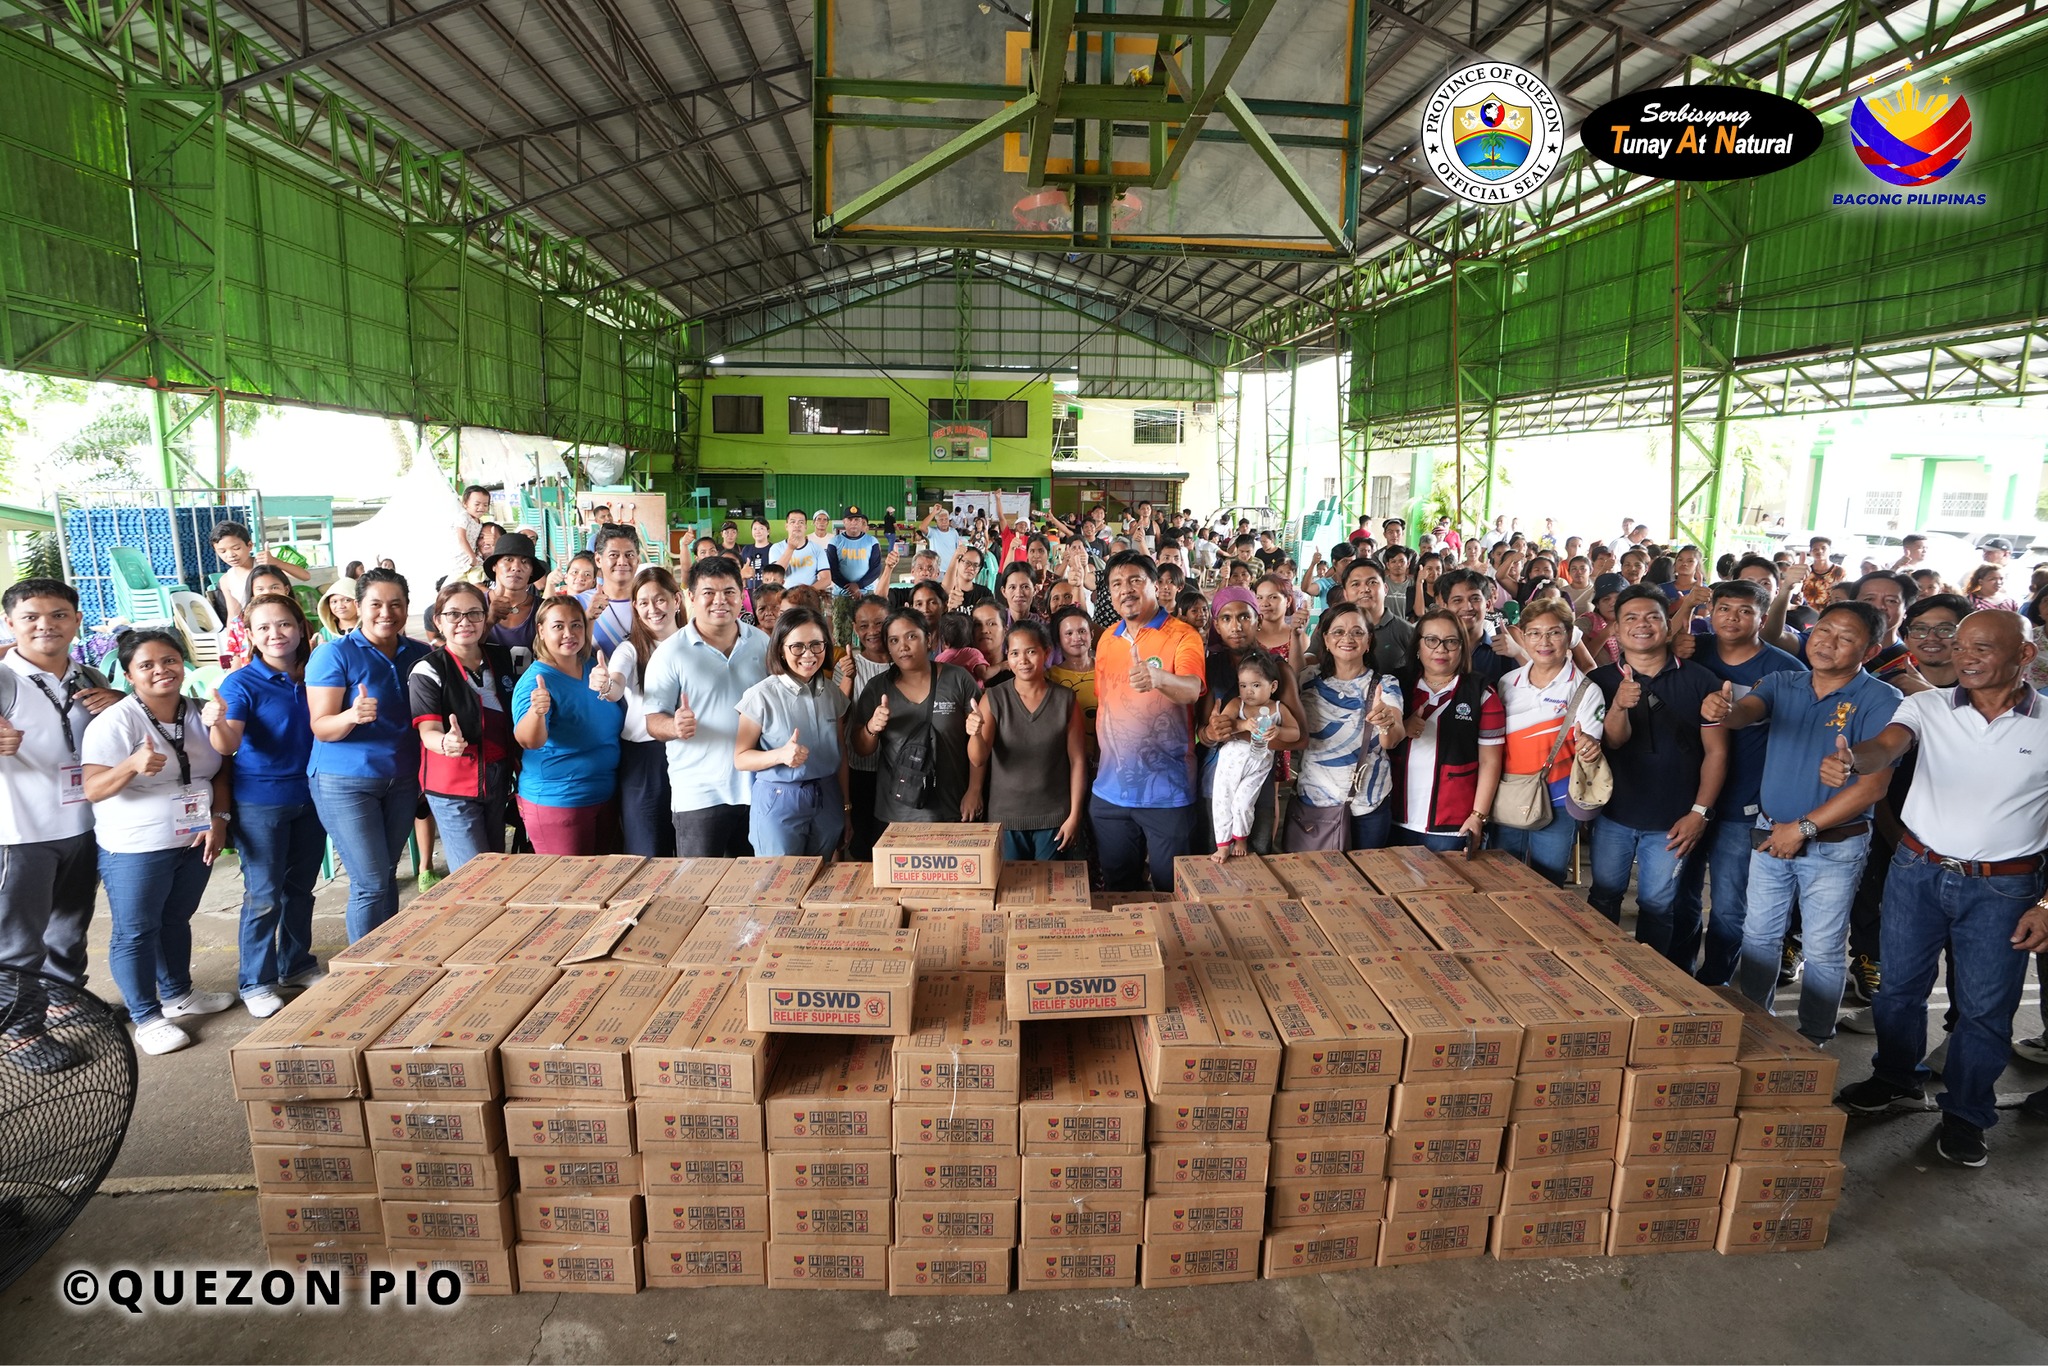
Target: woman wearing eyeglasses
1352,719
1536,700
461,696
1447,773
790,738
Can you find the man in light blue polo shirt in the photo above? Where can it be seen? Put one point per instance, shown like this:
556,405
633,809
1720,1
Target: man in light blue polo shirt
694,684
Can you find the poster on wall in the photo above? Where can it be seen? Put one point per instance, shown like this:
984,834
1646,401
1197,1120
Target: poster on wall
645,512
960,441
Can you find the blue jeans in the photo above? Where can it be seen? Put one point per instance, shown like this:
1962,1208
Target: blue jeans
1548,851
1444,844
470,826
281,849
1724,854
1824,879
151,898
1616,849
1130,840
1925,907
1030,846
369,820
795,819
646,827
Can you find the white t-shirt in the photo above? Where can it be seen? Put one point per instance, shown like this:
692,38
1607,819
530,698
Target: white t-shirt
805,562
140,818
472,532
1981,788
32,805
624,662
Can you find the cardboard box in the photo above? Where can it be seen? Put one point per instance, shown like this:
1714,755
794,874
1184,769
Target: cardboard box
1325,873
1676,1138
1571,1185
833,993
696,1263
589,929
713,1169
1445,1150
1676,1019
932,855
1197,877
454,1223
1067,1175
850,887
578,1268
1310,1251
1110,901
1477,1193
672,1121
1452,1100
960,1170
1529,1234
1365,924
676,879
825,940
445,1048
835,1219
1700,1090
577,883
494,878
863,1171
730,936
1407,869
1300,1156
1083,1264
942,898
1189,929
1675,1228
1178,1167
961,1041
580,1216
574,1043
1548,1142
605,930
331,1123
1041,885
313,1048
1333,1031
858,919
831,1093
1319,1200
317,1216
1353,1109
820,1266
659,931
1642,1186
1080,1089
679,1214
536,1128
436,1126
1451,1028
1781,1070
1211,1034
1555,919
954,1122
482,1270
426,936
506,932
1061,1219
1203,1213
1777,1182
696,1043
1465,922
579,1173
950,1219
960,941
1057,979
1496,870
1210,1116
1773,1228
1269,928
1406,1239
938,1269
1216,1259
1565,1022
1807,1134
306,1167
443,1176
1566,1093
353,1262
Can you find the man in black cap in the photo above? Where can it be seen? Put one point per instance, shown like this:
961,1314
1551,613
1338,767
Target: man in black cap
855,557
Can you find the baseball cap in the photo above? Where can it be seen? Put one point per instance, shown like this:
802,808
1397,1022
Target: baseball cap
854,512
1996,543
1608,583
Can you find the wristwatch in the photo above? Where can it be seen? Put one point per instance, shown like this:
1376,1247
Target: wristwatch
1808,830
1702,812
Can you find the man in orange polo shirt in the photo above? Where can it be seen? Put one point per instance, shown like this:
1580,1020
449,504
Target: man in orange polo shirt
1148,674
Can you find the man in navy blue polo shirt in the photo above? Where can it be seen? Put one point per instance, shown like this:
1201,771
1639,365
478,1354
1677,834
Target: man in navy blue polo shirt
1668,768
1811,840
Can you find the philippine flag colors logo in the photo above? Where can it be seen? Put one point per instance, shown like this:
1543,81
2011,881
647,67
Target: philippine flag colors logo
1910,139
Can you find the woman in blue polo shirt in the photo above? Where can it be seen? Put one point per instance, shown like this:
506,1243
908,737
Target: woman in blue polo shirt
258,714
364,772
566,713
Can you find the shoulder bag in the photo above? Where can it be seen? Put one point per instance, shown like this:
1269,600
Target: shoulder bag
1523,800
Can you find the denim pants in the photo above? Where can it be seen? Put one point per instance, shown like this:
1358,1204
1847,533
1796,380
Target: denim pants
1925,907
1723,855
1030,846
47,890
281,848
1443,844
1548,851
646,827
151,898
1132,839
1616,849
795,819
470,825
1824,879
369,820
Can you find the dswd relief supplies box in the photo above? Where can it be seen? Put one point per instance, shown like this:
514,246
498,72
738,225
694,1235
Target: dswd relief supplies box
605,930
1555,920
665,1121
458,1223
482,1270
699,1263
833,993
353,1262
1056,979
1081,1173
1202,1213
936,1269
502,936
1529,1234
1451,1100
818,940
313,1048
334,1123
1211,1033
1753,1181
1060,1219
1568,1092
851,887
443,1176
305,1167
708,1169
1571,1185
1780,1068
1310,1251
767,883
959,941
1413,869
940,898
861,919
1082,1264
1652,1185
1210,1116
1188,929
1178,1167
683,1214
690,880
536,1128
834,1219
1451,1028
579,1269
1676,1228
955,1122
1326,873
580,1216
1196,877
1496,870
831,1093
579,1173
314,1216
1216,1259
1676,1138
1365,924
1701,1090
1116,901
577,883
1547,1142
489,877
658,930
560,934
1073,923
843,1172
1773,1228
1465,922
813,1266
920,855
1268,929
1445,1150
575,1043
1406,1239
1082,1090
1803,1135
1476,1193
1670,1025
956,1219
445,1048
1300,1157
696,1041
1322,1199
1043,886
436,1126
730,936
960,1171
1565,1022
1333,1030
423,936
1350,1109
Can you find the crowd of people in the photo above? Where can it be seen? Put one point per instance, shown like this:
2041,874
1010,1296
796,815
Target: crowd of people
1802,773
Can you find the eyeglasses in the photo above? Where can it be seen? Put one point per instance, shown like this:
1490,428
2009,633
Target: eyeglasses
461,618
800,647
1938,630
1345,635
1440,642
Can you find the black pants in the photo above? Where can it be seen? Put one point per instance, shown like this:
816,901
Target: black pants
713,832
646,825
867,827
46,901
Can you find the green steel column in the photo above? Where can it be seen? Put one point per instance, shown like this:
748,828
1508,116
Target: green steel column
963,335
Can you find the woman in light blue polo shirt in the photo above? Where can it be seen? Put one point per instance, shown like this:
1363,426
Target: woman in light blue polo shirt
790,737
364,772
566,713
258,714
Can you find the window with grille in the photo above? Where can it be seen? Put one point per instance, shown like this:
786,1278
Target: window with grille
1156,427
838,416
1878,503
1380,498
1963,504
738,413
1004,416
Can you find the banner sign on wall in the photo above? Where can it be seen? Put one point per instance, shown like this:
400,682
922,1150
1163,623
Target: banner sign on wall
954,441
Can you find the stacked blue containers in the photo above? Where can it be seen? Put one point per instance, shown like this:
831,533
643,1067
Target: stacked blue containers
90,531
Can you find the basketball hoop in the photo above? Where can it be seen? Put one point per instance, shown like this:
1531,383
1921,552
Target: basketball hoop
1051,210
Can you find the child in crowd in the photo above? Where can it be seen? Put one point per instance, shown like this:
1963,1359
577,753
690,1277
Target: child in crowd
1244,761
1193,608
956,637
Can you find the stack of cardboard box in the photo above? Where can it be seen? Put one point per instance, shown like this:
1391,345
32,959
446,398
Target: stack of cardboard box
1082,1117
831,1174
1786,1176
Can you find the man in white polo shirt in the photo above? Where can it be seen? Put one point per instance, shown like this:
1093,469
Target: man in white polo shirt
693,689
1968,875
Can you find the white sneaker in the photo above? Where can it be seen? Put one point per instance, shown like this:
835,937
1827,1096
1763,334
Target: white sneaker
198,1003
1857,1021
263,1002
161,1036
2033,1049
299,981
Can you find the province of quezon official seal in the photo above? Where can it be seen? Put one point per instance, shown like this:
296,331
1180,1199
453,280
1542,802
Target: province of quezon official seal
1492,133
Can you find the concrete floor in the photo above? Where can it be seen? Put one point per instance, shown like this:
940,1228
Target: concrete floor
1927,1263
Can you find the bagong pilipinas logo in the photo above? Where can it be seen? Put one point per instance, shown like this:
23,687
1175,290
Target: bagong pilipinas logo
1492,133
1910,139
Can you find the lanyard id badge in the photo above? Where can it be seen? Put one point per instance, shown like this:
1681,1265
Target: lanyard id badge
191,810
70,784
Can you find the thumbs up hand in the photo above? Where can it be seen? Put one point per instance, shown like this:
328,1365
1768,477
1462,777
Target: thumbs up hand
540,703
879,721
686,720
147,760
1630,693
365,709
1141,674
1839,767
453,746
601,677
213,712
10,738
1715,706
974,720
795,752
